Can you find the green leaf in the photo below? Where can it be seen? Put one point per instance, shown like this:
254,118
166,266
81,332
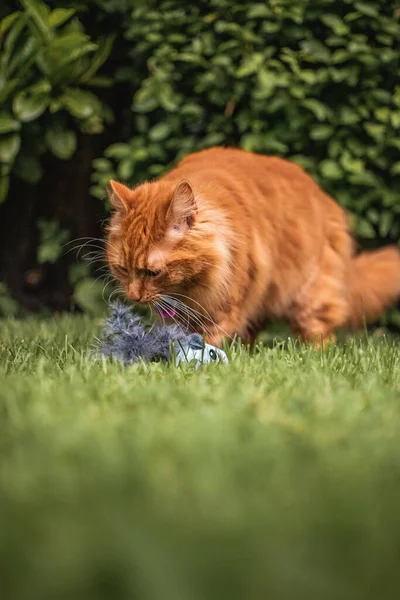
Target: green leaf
382,114
8,124
102,164
308,76
145,100
160,132
320,110
386,222
78,271
28,106
340,56
395,119
59,16
365,229
366,178
61,142
88,295
250,65
251,142
335,23
126,169
321,132
267,81
58,59
80,103
168,99
334,148
351,164
192,109
330,169
52,240
315,50
118,151
93,125
395,170
375,130
213,139
39,13
383,96
7,21
9,148
98,58
367,8
12,40
348,116
258,10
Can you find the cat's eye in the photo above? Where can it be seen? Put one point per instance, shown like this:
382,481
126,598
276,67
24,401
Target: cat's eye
148,273
213,355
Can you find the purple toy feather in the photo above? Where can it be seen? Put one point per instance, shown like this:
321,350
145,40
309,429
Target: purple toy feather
126,339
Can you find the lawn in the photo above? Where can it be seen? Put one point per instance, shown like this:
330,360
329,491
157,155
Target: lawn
275,477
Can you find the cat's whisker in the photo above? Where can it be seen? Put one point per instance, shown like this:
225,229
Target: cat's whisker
168,305
151,310
102,268
95,243
117,290
160,306
178,302
93,254
107,283
164,305
190,316
207,316
90,239
90,260
186,310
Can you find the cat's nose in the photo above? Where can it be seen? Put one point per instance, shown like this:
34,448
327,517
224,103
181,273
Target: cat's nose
133,293
145,297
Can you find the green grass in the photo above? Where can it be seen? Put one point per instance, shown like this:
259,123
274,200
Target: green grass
276,477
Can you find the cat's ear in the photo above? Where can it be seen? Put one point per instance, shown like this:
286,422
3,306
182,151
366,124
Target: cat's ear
119,194
183,208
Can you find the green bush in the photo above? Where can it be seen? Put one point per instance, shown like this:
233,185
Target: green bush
316,82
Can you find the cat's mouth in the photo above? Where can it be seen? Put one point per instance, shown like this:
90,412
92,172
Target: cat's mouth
166,313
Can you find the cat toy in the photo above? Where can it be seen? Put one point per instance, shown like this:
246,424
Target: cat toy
127,339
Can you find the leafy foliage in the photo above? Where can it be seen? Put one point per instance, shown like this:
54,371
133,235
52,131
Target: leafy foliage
52,239
47,63
315,82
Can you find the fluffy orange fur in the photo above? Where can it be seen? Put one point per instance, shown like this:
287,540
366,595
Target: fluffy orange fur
228,239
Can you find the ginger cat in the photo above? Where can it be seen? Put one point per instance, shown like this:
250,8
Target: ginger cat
228,239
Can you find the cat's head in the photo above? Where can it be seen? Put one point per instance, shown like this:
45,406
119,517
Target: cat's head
158,242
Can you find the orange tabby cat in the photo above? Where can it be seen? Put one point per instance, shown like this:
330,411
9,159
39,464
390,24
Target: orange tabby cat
229,238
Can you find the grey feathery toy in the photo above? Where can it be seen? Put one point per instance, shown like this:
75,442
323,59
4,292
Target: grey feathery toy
128,340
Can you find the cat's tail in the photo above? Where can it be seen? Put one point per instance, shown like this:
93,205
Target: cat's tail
374,282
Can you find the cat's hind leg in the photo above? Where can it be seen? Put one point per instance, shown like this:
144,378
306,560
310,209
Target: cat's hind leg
324,305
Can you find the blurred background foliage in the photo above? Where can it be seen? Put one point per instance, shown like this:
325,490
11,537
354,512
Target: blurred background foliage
123,88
